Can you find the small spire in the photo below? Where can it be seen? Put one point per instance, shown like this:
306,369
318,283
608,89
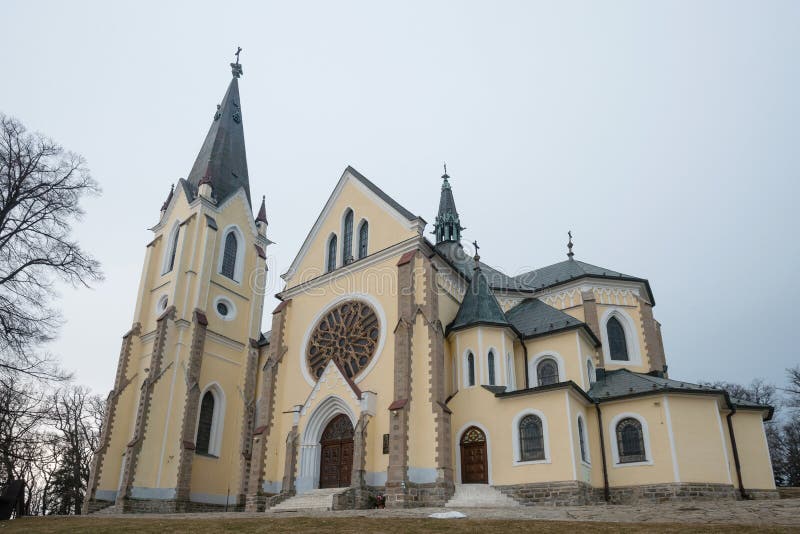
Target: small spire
169,198
236,68
477,257
262,213
570,254
447,226
445,170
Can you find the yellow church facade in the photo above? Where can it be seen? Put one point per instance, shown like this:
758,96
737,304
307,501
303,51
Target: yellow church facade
395,365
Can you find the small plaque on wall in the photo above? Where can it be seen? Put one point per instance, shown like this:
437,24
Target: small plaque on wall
386,444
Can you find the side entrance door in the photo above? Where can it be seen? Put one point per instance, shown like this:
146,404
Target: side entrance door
474,463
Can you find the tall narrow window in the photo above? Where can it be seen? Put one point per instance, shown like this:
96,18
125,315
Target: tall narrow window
510,381
590,372
331,254
347,243
531,439
173,248
547,372
630,441
229,256
470,369
582,441
205,423
617,345
490,361
363,240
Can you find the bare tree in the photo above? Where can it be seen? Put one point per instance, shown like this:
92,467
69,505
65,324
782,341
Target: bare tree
41,186
793,389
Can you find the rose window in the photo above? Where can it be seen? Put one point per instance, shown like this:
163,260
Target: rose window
348,334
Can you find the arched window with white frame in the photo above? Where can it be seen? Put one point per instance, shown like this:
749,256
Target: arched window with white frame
210,421
172,249
583,441
617,344
330,263
630,440
363,239
511,382
490,364
470,369
229,254
591,374
347,237
620,337
547,372
530,438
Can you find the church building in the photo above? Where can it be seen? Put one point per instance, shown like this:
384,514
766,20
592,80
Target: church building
398,363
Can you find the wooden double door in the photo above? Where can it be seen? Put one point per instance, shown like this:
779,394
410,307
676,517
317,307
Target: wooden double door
336,460
474,465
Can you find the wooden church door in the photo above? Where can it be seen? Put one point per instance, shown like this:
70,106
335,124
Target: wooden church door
336,460
474,468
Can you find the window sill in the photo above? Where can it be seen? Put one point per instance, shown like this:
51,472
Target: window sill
206,455
632,464
531,462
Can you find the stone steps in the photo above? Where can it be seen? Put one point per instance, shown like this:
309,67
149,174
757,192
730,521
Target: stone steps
318,499
479,496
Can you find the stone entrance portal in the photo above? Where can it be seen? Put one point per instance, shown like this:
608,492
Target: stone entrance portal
473,457
336,460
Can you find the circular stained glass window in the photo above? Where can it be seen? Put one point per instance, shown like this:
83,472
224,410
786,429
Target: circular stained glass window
222,308
348,334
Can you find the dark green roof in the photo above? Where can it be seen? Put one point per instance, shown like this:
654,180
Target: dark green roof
222,156
532,317
623,383
479,307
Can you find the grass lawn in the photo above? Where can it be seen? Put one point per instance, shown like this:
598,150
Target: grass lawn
354,525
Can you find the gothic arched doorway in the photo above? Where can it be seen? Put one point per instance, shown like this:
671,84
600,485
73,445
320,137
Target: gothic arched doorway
336,459
474,468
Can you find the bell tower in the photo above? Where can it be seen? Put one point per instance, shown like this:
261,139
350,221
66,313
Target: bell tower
182,406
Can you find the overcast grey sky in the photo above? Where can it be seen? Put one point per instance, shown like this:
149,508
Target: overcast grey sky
664,134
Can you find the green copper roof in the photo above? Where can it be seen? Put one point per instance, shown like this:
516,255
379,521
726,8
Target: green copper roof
447,226
479,306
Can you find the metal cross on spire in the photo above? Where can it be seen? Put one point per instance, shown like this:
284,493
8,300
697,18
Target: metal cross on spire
570,254
477,256
236,68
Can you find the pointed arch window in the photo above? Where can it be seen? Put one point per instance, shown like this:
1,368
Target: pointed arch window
229,256
347,242
205,424
630,441
363,239
582,441
470,369
547,372
590,372
617,344
531,439
331,254
173,248
490,361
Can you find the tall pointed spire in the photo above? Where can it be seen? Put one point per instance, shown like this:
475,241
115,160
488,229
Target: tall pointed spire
222,158
447,226
262,213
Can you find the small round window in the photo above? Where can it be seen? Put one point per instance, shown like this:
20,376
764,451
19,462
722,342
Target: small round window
162,304
225,308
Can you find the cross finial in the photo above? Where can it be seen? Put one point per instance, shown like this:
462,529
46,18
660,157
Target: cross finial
477,256
236,68
570,254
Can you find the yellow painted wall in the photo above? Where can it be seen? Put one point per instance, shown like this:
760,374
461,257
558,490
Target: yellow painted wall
753,451
699,439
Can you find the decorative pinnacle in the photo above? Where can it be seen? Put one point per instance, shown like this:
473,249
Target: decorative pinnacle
570,254
236,68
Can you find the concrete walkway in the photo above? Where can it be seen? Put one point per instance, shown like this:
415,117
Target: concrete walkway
784,512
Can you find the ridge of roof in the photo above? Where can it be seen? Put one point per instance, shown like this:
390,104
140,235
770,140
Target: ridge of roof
381,193
533,317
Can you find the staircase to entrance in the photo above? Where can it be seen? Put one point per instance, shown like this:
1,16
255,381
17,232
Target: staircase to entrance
318,499
479,496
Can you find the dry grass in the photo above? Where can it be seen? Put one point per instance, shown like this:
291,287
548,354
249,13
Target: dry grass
349,525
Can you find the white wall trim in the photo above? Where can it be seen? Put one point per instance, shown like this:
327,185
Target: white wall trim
612,434
673,450
515,437
488,449
571,438
715,407
363,297
631,336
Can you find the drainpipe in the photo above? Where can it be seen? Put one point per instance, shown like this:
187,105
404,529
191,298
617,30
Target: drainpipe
525,352
606,491
736,452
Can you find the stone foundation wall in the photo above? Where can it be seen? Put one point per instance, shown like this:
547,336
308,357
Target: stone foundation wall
414,495
356,499
93,506
760,495
654,493
163,506
569,493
